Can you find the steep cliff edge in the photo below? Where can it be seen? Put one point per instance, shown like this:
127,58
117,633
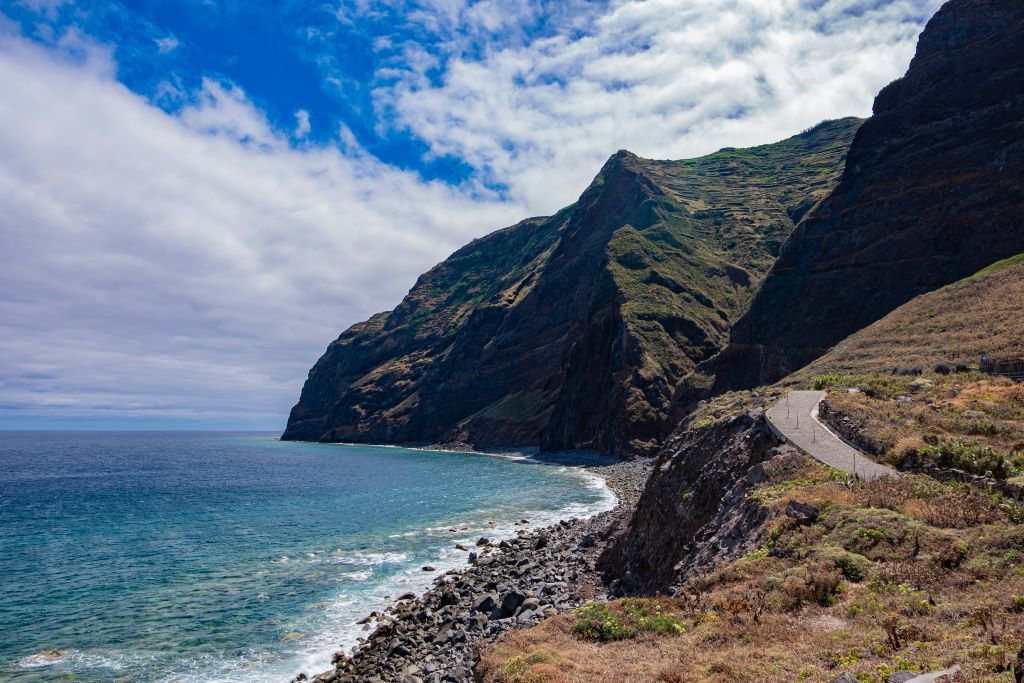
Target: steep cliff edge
695,510
933,191
572,331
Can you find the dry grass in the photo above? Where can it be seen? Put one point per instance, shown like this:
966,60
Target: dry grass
898,418
953,325
907,574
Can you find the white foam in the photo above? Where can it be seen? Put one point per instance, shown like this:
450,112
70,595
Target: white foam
338,629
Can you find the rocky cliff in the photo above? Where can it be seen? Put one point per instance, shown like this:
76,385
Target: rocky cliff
572,331
694,511
933,191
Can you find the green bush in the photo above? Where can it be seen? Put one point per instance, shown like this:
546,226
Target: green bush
596,621
516,667
644,619
972,457
832,379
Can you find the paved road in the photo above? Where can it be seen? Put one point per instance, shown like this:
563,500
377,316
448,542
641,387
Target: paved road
796,418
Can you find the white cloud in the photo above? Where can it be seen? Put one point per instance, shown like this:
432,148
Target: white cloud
194,265
191,266
167,44
302,126
662,78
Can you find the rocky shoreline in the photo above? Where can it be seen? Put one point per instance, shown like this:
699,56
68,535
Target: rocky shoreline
514,583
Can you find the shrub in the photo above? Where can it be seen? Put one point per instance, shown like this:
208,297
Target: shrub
596,621
1017,603
831,379
972,457
853,566
521,671
815,582
644,618
516,667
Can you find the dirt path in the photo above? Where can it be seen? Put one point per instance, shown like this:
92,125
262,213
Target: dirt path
795,417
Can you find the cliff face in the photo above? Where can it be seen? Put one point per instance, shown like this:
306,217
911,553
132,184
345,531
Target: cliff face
572,331
695,511
933,191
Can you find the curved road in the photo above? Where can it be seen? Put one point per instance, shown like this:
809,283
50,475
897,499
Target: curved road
796,418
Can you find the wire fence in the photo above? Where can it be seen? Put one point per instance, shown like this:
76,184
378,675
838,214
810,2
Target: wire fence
1012,368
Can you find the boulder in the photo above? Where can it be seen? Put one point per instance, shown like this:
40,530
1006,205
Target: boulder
901,676
486,603
801,512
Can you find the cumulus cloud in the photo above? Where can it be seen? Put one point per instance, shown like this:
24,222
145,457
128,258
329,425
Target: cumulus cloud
662,78
191,266
188,267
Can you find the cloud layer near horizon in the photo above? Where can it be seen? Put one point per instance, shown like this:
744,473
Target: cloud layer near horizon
187,268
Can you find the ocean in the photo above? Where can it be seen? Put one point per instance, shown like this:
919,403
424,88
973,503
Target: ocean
207,556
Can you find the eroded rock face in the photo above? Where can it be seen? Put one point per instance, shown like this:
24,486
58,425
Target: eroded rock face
695,511
932,192
572,331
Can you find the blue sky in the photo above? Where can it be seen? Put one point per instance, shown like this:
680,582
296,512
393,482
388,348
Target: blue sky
199,195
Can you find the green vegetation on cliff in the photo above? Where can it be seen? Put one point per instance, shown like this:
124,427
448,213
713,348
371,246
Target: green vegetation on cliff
573,330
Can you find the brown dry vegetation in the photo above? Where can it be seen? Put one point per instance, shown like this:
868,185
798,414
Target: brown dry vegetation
894,574
953,325
970,417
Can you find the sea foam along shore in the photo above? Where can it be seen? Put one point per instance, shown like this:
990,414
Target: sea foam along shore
510,584
345,633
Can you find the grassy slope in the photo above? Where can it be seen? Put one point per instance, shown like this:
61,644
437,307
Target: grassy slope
908,574
911,574
964,419
721,221
952,325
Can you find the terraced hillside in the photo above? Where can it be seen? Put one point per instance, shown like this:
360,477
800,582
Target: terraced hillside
573,330
931,193
944,329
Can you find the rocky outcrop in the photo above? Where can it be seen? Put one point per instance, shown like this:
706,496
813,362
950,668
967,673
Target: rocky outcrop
572,331
932,192
695,511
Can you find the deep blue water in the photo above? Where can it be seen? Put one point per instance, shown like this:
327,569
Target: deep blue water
212,556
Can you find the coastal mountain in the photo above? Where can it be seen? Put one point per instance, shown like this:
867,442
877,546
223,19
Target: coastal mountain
933,191
573,331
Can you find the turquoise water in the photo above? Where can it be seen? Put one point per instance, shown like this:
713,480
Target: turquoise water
212,556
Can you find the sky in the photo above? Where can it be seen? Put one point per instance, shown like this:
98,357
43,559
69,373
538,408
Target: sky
197,196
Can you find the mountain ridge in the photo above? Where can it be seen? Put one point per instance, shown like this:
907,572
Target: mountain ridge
572,331
931,193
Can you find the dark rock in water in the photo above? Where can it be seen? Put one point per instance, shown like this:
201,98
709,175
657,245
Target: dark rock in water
428,568
801,512
407,596
932,192
572,331
483,541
